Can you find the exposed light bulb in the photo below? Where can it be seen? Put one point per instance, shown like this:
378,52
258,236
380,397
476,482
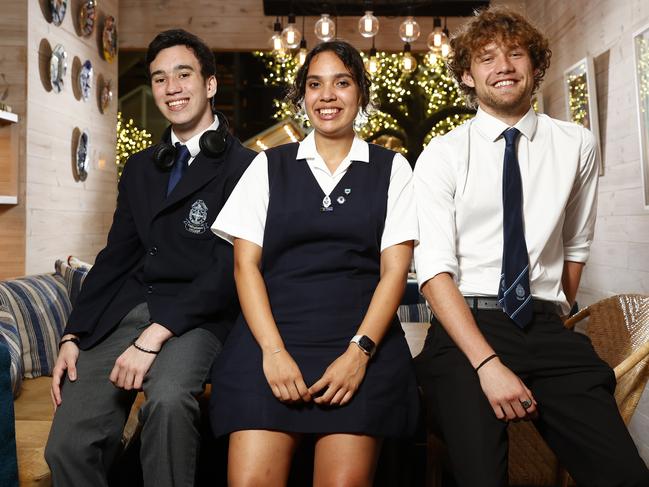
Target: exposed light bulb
301,55
409,30
368,25
325,29
408,61
276,42
291,35
372,62
446,46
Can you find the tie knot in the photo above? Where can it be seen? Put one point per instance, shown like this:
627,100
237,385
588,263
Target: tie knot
510,135
181,151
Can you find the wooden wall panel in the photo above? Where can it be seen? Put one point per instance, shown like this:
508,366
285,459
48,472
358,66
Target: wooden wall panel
13,69
64,216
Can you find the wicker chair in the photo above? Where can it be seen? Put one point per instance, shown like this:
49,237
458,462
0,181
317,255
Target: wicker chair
619,330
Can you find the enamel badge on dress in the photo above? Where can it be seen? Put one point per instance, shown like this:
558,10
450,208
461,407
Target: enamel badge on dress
195,223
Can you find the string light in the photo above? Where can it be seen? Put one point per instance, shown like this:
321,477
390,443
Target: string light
130,139
291,36
325,28
368,25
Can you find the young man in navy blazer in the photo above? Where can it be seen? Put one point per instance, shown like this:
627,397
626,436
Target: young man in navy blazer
159,301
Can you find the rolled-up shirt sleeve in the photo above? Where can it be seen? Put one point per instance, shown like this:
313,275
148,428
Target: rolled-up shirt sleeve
244,214
401,217
434,185
581,210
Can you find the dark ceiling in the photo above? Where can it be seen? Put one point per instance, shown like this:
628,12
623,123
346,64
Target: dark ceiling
431,8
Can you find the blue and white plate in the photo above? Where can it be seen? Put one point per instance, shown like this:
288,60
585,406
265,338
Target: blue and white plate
85,80
58,68
58,8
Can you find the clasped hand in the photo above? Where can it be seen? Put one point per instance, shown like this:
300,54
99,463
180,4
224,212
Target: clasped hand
339,382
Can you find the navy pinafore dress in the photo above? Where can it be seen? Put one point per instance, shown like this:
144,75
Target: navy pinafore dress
321,269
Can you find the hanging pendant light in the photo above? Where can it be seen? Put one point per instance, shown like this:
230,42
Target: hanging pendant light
291,36
301,54
408,61
368,25
446,44
409,30
435,37
372,64
276,42
325,28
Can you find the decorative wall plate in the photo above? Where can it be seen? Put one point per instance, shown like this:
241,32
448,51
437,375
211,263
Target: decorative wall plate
106,96
87,17
85,80
83,156
58,67
58,7
109,39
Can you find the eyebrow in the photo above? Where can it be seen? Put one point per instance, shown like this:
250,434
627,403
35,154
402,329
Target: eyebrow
176,68
335,76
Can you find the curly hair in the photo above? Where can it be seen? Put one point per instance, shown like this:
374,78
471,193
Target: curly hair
498,24
352,60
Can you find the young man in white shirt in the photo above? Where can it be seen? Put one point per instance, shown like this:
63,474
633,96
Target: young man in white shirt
506,220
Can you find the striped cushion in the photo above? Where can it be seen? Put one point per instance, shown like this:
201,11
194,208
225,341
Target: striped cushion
73,272
41,307
414,313
10,337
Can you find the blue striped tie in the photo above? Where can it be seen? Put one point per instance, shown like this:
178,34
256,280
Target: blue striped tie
514,290
179,167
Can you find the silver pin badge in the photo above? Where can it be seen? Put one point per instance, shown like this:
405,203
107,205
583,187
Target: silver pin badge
348,190
326,202
340,200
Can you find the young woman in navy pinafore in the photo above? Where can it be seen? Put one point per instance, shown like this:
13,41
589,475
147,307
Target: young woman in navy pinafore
313,270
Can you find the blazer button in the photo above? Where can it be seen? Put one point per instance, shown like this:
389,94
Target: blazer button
153,250
149,289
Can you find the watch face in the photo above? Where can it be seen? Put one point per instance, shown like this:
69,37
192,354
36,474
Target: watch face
83,156
367,344
58,67
109,39
85,80
87,17
58,8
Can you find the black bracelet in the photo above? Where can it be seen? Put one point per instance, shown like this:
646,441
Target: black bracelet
74,340
142,349
490,357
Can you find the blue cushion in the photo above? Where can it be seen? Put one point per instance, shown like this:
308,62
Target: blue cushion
41,307
8,461
10,337
73,273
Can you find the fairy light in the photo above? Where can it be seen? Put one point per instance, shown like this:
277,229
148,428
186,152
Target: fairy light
130,139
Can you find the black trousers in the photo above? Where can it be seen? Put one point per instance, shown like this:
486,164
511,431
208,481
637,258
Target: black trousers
578,416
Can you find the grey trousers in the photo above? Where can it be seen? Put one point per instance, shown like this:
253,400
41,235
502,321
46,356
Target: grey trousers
86,432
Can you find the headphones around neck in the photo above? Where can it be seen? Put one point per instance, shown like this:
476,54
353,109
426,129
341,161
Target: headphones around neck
212,144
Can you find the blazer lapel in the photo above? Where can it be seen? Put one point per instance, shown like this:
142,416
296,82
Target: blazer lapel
201,171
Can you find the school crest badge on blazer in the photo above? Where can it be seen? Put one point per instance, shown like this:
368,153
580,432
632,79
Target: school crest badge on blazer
195,222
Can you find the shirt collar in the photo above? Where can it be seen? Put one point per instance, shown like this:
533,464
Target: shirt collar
193,144
492,128
359,151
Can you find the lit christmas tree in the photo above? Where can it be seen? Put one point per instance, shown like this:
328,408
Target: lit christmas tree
130,139
411,108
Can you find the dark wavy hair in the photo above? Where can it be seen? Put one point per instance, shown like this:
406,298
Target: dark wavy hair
180,37
498,24
352,60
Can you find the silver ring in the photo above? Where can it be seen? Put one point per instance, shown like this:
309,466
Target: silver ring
526,404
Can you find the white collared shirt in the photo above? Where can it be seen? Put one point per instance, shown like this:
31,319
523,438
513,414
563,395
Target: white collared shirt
244,214
193,144
458,189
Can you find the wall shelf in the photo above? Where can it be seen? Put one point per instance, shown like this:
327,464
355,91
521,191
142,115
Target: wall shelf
8,117
8,158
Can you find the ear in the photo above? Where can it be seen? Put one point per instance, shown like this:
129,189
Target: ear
468,80
211,85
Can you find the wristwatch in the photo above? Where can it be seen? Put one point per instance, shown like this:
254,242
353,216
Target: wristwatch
365,343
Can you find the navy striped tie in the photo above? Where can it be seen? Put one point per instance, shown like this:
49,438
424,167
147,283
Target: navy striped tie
514,289
179,167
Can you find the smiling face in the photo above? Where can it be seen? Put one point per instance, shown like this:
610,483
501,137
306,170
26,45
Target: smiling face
180,92
331,97
503,78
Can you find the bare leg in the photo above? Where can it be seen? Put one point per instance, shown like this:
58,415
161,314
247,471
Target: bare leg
260,458
345,460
